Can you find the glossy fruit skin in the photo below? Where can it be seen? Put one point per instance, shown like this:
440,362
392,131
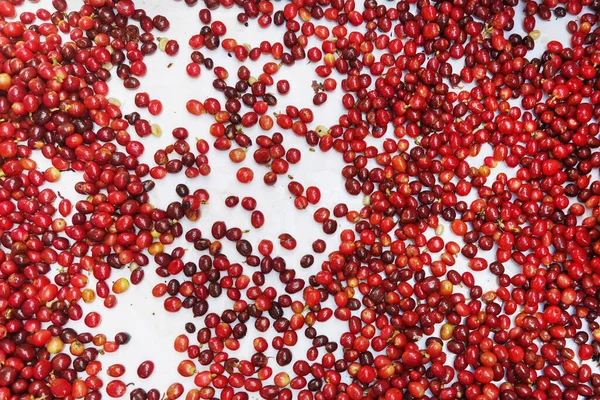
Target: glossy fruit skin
145,369
116,388
245,175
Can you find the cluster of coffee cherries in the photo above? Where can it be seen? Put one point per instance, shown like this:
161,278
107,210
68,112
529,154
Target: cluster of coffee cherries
427,87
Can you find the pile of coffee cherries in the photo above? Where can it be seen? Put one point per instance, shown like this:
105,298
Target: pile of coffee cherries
426,88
